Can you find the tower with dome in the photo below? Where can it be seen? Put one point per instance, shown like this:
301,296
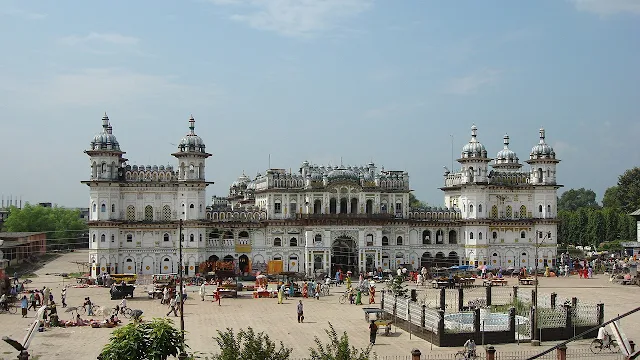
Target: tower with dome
319,218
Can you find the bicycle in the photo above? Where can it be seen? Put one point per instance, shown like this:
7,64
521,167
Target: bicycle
11,309
608,343
344,297
466,355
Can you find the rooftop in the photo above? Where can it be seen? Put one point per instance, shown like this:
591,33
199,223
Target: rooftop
16,235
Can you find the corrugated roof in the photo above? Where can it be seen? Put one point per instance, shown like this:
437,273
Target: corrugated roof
13,235
635,213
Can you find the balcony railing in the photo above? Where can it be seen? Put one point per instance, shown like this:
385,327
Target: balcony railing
347,216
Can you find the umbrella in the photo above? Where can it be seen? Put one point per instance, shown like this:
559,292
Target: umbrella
482,267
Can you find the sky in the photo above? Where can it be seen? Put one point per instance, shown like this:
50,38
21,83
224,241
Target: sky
399,83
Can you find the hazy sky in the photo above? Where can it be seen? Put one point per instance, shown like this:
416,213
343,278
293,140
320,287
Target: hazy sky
317,80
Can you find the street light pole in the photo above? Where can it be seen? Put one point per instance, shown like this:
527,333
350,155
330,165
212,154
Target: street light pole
181,275
535,282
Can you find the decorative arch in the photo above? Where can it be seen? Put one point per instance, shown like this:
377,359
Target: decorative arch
453,237
426,237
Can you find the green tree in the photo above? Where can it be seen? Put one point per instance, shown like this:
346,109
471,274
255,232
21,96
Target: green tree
575,199
611,198
564,227
596,229
398,287
629,190
626,227
62,225
338,348
247,345
611,218
414,203
154,340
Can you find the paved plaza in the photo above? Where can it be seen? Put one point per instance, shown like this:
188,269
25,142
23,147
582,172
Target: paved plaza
202,319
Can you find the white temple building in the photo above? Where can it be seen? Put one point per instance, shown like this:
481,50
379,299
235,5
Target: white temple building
321,218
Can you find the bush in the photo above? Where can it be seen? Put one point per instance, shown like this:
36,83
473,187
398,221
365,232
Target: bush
248,345
338,348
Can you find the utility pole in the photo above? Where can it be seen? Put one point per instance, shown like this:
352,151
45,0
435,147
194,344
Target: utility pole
535,283
182,355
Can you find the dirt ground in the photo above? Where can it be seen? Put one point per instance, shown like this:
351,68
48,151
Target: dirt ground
202,319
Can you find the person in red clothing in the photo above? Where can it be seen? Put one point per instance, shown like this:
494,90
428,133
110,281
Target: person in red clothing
217,297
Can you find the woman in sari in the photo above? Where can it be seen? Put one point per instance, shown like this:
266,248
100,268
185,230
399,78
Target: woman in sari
372,294
291,289
359,297
348,282
305,290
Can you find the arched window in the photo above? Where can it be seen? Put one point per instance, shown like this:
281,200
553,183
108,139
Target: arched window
191,238
426,237
277,242
166,213
113,238
103,208
129,237
479,208
191,206
131,213
548,210
471,208
539,174
318,239
94,237
399,240
479,236
509,212
385,241
369,239
494,235
540,209
453,237
148,213
113,208
165,237
523,211
95,207
293,242
523,234
439,237
200,237
470,235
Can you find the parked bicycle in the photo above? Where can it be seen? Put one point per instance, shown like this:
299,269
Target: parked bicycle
11,309
606,343
466,355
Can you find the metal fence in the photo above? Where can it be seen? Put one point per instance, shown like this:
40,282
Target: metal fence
501,295
431,320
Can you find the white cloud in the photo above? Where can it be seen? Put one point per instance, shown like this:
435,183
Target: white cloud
111,38
608,7
472,83
295,17
23,14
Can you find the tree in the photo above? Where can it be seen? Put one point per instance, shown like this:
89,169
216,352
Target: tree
61,224
574,199
629,190
564,228
611,218
414,203
248,345
338,348
611,198
596,229
155,340
398,288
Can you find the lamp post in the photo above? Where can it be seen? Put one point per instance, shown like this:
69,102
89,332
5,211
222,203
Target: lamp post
535,281
182,355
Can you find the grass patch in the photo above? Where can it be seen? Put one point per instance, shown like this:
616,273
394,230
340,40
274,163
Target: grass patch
75,275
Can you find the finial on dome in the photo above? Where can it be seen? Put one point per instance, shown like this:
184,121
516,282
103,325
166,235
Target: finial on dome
542,135
474,130
192,124
105,121
506,140
109,129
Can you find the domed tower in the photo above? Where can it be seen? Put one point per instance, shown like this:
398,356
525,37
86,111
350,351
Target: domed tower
106,156
474,160
543,163
506,159
191,155
106,161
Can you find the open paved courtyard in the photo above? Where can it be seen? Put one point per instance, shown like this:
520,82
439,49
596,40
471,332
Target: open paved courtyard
202,319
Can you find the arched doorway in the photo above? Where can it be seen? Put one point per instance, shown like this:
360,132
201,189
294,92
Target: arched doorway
167,266
426,260
344,255
440,261
369,207
454,259
228,258
214,258
317,207
370,264
243,263
343,206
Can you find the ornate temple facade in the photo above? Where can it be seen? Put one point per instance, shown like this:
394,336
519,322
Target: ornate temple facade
320,218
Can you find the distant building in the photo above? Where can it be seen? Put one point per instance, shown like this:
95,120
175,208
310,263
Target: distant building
15,247
636,215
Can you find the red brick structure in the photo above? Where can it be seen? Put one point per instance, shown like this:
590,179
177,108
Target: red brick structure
18,246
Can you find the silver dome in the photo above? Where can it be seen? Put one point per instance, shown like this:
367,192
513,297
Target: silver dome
506,155
542,150
191,142
342,174
105,140
474,148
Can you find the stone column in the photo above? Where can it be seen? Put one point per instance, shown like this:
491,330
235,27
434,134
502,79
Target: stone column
561,352
491,353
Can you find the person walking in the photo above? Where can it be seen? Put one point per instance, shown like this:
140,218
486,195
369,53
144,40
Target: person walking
217,297
300,312
63,297
566,270
373,331
281,294
24,305
46,299
203,291
32,300
172,307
